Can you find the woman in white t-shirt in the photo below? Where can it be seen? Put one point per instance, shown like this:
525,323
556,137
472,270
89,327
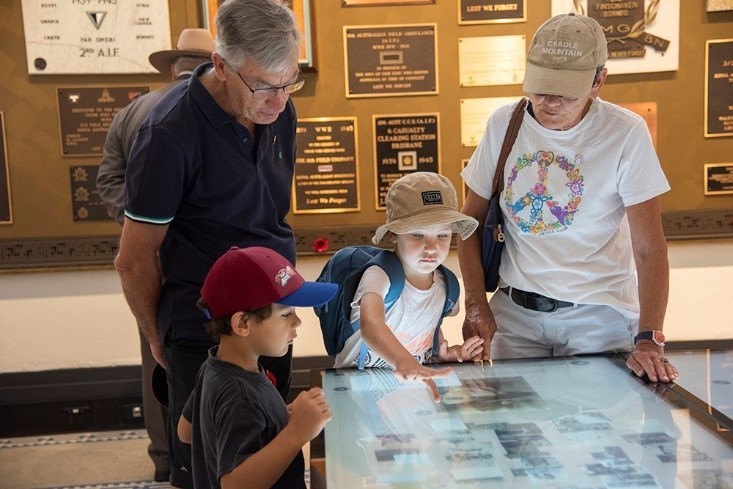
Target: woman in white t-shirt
584,267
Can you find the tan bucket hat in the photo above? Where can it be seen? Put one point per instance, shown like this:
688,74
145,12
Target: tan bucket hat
422,199
191,42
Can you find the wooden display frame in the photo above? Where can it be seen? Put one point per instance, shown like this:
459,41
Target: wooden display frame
303,16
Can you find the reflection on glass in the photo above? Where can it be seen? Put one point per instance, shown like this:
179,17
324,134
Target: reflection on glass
567,422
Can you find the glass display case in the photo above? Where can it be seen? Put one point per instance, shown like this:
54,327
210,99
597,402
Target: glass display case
571,422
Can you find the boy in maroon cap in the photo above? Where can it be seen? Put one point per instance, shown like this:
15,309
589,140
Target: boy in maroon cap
241,432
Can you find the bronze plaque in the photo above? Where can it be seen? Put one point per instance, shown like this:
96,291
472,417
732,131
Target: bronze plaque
718,178
648,112
491,11
6,214
85,114
718,88
86,203
390,60
326,171
403,144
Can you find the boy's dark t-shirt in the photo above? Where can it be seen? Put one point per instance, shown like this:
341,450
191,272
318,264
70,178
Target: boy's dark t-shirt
234,414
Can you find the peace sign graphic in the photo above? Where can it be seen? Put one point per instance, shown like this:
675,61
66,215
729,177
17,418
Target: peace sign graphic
538,198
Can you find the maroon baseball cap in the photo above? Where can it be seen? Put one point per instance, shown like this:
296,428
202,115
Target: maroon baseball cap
249,278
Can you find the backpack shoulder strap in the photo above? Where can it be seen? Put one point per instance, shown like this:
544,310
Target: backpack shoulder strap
453,289
387,261
452,292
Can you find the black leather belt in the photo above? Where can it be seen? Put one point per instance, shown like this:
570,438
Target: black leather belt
534,301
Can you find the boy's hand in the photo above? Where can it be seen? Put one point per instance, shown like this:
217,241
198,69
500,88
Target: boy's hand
470,350
309,413
414,372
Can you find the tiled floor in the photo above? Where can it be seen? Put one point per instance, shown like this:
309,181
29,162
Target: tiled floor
100,460
114,459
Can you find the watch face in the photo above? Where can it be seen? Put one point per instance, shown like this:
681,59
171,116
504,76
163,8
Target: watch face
658,337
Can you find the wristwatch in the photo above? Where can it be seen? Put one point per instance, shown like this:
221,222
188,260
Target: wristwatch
655,335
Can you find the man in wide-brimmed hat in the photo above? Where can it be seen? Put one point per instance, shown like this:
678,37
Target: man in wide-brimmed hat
197,44
194,48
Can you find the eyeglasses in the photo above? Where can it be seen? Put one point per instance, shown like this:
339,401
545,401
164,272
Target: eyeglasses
560,97
265,92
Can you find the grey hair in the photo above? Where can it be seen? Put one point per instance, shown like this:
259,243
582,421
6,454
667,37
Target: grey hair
261,31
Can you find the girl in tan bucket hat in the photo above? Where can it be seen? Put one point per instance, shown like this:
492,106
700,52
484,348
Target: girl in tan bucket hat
422,215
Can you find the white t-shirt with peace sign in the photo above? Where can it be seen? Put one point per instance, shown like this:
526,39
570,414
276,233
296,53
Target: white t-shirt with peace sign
564,200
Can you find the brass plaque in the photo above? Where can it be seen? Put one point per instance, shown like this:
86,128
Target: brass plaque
718,178
718,88
391,60
403,144
491,60
85,114
326,171
86,203
491,11
6,213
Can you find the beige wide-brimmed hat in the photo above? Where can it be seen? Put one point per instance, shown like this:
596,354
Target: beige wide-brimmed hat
191,42
422,199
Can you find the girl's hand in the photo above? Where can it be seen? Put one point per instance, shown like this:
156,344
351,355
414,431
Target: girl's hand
471,349
414,372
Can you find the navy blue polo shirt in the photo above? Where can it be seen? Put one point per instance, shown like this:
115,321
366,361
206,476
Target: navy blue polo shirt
198,170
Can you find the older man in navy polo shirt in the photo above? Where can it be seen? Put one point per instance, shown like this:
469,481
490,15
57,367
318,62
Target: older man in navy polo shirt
211,168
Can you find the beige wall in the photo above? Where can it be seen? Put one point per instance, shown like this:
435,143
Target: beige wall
80,319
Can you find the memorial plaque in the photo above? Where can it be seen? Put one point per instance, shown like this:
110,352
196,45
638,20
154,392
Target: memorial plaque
718,88
475,114
94,36
491,11
86,203
643,37
6,214
718,178
403,144
85,115
718,5
494,60
391,60
326,170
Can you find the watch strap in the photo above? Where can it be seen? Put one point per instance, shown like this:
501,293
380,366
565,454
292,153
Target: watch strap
650,335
